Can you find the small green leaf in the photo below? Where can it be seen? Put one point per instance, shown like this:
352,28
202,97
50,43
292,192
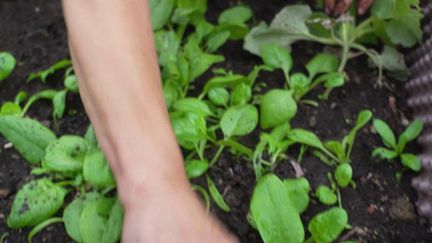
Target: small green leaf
333,80
219,96
7,64
343,174
411,161
322,63
298,192
328,225
59,104
241,94
217,197
215,41
196,168
384,153
160,12
94,218
383,9
273,212
326,195
385,133
277,107
394,63
45,73
35,202
194,105
96,170
235,15
239,120
275,56
305,137
224,81
10,108
29,137
71,83
66,154
410,133
337,149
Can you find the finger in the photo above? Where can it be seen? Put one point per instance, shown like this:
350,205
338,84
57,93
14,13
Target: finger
363,6
342,7
329,6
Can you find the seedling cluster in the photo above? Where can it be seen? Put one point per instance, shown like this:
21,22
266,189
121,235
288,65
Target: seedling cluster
229,106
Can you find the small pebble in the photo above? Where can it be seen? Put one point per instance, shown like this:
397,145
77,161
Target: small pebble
8,146
333,105
312,121
4,192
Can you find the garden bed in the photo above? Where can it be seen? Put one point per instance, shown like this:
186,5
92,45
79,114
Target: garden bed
381,209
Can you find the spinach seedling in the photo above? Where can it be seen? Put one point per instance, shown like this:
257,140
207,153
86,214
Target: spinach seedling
322,69
328,225
42,75
7,64
396,148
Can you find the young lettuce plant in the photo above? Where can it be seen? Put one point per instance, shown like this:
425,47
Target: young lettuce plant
7,64
396,148
322,69
391,22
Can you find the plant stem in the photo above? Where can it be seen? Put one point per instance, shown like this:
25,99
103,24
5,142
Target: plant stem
339,197
3,237
345,47
205,195
43,225
217,154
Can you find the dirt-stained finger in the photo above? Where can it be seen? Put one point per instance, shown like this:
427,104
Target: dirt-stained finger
329,6
342,7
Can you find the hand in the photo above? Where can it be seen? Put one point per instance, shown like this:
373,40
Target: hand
339,7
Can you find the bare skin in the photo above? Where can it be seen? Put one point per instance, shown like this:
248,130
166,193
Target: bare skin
339,7
111,44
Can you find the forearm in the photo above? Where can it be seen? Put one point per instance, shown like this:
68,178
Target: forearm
120,86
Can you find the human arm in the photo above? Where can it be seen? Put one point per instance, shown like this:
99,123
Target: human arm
111,44
339,7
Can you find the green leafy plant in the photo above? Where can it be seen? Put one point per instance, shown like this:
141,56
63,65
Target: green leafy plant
396,148
322,69
391,22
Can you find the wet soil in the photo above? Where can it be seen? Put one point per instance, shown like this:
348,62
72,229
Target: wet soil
381,208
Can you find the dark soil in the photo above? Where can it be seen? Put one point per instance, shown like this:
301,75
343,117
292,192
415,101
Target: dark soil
381,209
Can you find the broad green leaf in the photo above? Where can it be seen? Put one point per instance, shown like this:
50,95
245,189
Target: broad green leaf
362,119
215,41
72,215
385,133
224,81
194,105
66,154
90,136
305,137
219,96
411,161
333,80
328,225
96,170
35,201
239,120
217,197
394,62
235,15
384,153
325,195
59,104
29,137
10,108
298,192
200,64
410,133
113,227
337,149
160,12
288,26
7,64
189,130
94,218
167,46
322,63
277,107
275,56
300,84
383,9
241,94
273,212
189,11
196,168
343,174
